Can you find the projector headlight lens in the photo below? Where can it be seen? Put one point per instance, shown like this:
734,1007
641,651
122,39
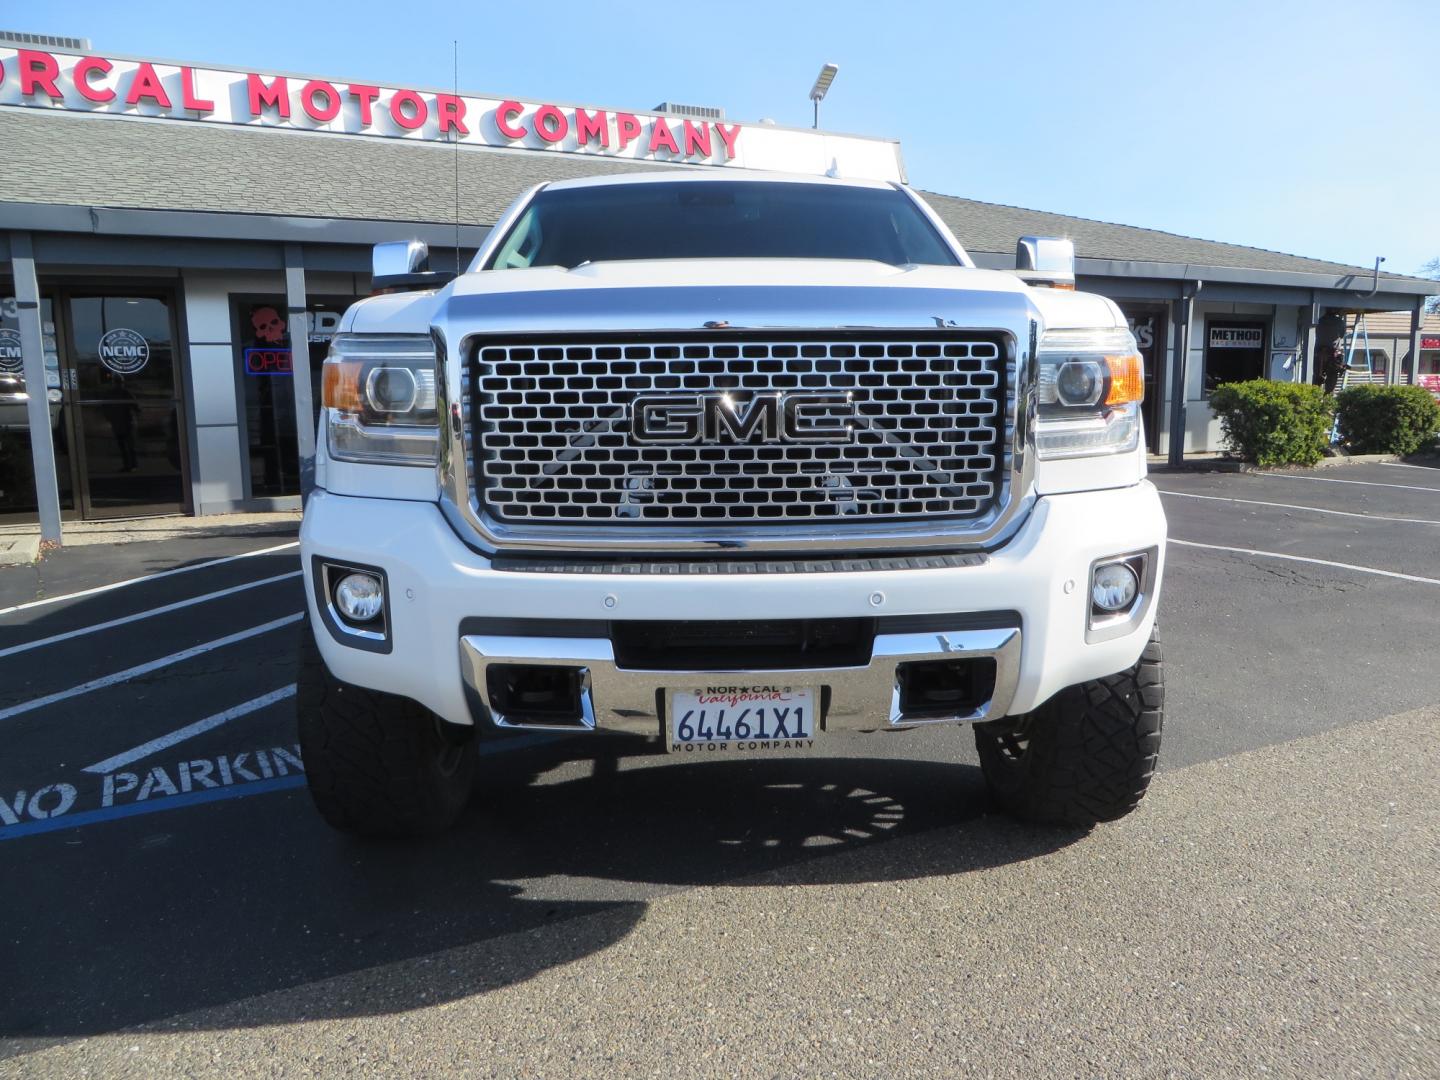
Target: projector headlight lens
1114,587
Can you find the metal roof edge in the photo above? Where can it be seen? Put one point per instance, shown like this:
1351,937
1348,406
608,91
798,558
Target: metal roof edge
1358,282
226,225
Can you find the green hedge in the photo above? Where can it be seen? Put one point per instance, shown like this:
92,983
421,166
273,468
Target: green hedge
1274,423
1387,419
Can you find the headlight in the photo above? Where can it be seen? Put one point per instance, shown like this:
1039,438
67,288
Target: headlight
379,396
1090,386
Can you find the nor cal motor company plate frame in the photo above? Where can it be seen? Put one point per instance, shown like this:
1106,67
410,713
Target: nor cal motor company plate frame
761,717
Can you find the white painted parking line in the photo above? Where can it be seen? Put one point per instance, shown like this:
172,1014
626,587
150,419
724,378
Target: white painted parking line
26,646
1285,506
189,731
147,577
149,666
1333,480
1407,465
1307,559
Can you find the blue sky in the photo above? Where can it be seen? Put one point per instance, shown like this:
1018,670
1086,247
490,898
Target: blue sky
1308,127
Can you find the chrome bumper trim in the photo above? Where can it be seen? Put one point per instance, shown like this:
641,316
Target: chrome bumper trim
860,699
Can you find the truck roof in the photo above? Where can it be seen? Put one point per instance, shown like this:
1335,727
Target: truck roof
711,175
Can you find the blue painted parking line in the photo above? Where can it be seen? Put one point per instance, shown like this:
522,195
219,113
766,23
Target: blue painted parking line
34,811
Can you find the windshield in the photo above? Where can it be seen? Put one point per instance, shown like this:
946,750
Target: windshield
721,219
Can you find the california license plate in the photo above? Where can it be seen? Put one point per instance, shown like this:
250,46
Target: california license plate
727,718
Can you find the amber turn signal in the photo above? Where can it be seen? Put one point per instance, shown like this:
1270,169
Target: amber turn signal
341,386
1127,379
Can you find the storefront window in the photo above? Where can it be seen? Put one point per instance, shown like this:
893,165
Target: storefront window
1148,323
1234,352
264,369
1375,361
1429,370
17,470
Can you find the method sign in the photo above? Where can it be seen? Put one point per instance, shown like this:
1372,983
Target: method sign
1236,337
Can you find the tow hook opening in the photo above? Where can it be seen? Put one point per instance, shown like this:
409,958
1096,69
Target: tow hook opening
944,689
539,695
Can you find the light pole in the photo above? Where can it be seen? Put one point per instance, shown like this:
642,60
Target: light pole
822,85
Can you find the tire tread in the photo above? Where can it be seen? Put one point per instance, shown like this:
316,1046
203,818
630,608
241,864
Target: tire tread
1093,748
369,756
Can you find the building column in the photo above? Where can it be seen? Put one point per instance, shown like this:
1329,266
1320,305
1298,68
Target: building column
1417,320
37,410
1306,359
300,366
1178,382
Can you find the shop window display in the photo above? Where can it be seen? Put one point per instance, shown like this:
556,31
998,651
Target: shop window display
265,373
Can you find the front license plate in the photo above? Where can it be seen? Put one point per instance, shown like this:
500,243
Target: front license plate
720,718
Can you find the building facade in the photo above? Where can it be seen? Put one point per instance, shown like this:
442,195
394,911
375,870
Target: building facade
177,244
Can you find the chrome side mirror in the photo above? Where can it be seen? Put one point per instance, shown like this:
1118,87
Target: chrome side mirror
404,264
1046,260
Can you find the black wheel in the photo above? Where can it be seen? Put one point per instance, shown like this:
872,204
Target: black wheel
1086,755
377,764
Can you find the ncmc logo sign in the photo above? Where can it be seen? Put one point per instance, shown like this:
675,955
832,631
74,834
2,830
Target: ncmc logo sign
125,352
12,361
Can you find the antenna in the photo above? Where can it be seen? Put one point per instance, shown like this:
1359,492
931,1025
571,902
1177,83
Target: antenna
455,137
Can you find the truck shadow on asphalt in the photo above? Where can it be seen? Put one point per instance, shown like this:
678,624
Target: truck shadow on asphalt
157,916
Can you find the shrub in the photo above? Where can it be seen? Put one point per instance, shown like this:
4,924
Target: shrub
1388,419
1274,423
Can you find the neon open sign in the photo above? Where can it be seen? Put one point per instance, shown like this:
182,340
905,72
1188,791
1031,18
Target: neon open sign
268,362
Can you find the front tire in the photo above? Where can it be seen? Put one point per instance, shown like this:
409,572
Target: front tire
1087,755
378,765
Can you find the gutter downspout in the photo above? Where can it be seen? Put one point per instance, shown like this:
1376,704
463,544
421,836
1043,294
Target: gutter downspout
1178,387
1375,284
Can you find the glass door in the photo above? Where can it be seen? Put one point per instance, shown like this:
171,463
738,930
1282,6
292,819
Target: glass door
17,471
123,399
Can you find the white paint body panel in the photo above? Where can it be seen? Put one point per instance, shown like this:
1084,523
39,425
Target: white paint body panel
435,581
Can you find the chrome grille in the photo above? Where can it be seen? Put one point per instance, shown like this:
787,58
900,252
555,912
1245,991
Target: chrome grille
548,439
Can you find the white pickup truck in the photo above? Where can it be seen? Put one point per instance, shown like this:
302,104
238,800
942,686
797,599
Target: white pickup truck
738,464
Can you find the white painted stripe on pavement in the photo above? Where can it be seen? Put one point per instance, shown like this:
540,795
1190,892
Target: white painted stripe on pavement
1407,465
147,577
189,731
1307,559
1285,506
1333,480
149,666
26,646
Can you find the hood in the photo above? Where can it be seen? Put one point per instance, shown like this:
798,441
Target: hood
690,294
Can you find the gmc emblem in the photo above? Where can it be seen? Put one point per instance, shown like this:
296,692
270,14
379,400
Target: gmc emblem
739,418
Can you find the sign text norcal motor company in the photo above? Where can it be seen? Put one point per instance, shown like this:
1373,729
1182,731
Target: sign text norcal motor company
146,88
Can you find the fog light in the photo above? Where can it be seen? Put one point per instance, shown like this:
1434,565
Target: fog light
1114,587
359,597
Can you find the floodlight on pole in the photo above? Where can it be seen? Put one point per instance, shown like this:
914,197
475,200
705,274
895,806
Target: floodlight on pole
822,86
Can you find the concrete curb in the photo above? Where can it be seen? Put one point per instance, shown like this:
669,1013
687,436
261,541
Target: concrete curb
1230,465
19,550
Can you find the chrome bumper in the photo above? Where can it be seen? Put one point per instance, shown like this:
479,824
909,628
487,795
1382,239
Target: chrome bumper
860,698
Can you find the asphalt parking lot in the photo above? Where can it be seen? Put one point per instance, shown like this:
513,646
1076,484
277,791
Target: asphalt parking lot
172,904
